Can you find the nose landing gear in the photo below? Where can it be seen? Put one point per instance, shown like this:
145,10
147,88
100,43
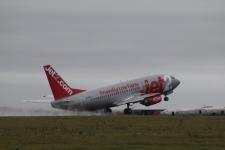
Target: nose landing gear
166,98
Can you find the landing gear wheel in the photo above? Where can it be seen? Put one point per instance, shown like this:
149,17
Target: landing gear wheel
127,111
108,111
166,98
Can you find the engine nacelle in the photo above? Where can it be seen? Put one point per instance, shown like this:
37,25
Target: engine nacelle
152,100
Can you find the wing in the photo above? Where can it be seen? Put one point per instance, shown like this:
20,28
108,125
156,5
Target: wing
135,98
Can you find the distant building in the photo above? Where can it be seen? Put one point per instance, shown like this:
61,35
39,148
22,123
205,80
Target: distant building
147,111
209,111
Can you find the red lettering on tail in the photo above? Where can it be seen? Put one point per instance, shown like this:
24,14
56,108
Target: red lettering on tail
58,86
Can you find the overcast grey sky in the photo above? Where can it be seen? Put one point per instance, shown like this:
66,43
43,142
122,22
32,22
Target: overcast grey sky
93,43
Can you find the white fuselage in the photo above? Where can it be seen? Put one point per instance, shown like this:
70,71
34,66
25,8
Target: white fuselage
107,97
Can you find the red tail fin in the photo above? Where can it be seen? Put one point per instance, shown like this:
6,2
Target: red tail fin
58,86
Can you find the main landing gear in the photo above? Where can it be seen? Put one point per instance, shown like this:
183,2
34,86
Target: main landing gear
127,111
166,98
108,111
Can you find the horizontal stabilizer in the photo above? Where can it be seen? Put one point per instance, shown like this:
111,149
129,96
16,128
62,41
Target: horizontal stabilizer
39,101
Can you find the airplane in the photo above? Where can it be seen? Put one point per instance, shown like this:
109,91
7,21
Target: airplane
146,91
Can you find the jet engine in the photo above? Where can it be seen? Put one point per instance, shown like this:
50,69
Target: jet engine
151,100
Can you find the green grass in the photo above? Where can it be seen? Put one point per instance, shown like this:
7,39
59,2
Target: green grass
112,133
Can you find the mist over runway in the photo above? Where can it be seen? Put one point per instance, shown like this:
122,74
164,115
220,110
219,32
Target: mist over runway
10,111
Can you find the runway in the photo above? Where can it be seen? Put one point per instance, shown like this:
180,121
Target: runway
11,111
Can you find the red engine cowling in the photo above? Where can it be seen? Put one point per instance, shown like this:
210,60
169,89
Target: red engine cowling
151,100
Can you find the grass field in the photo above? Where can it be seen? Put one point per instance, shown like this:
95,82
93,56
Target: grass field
112,133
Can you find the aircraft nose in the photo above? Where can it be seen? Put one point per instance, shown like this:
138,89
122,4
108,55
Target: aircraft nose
175,83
